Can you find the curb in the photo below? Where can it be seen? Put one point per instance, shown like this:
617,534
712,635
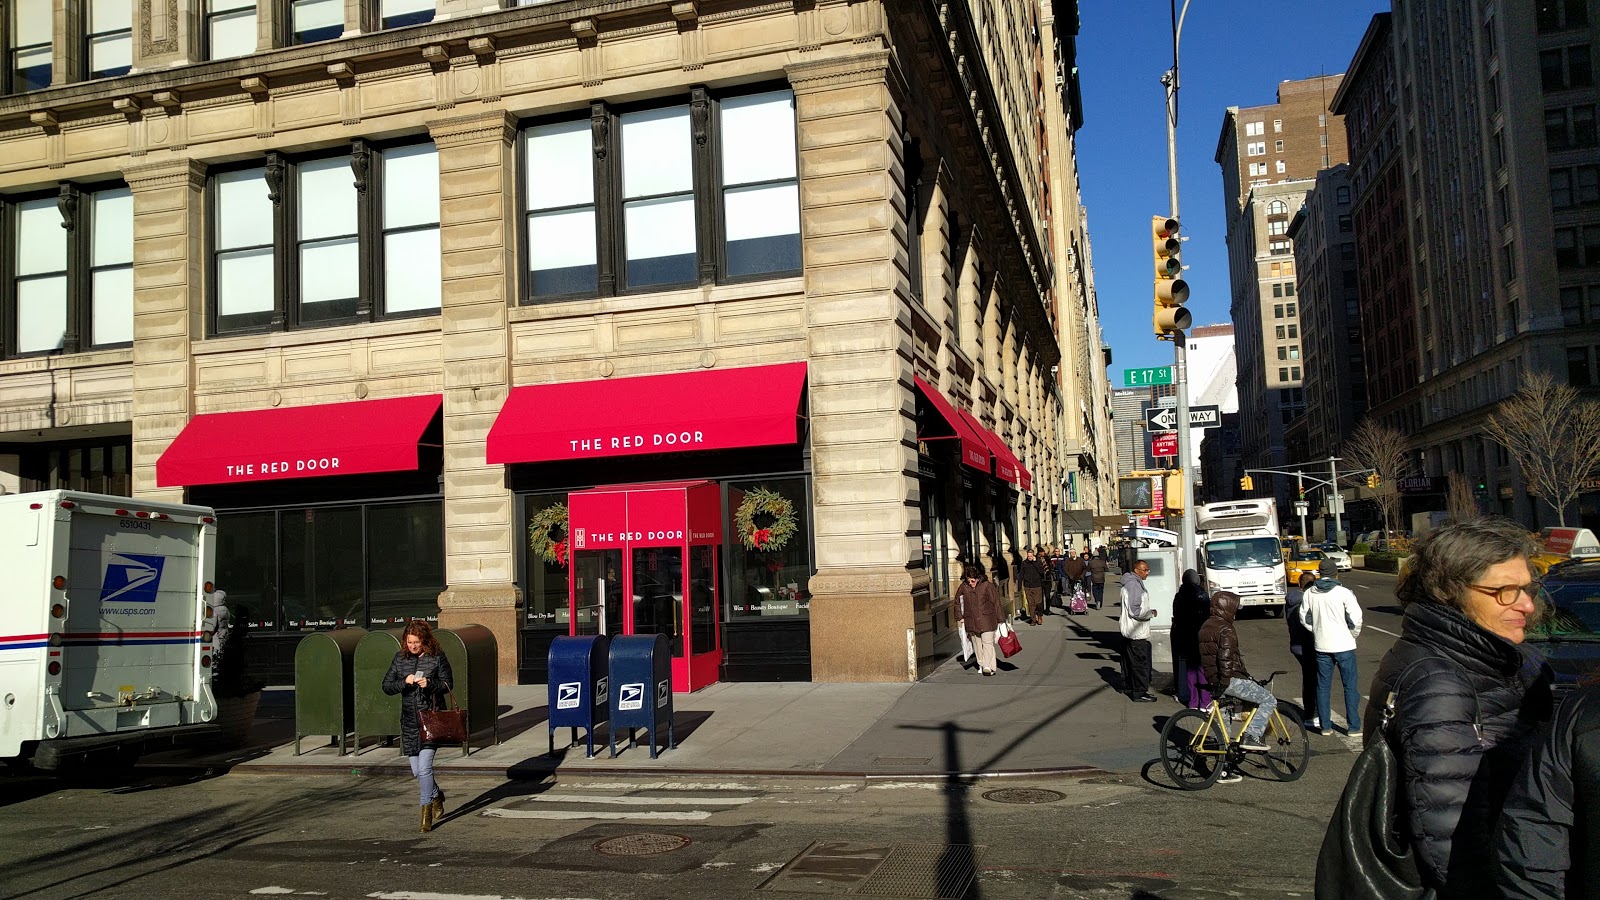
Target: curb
540,773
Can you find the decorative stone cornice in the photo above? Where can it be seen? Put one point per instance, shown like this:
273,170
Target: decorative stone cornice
473,129
166,174
870,67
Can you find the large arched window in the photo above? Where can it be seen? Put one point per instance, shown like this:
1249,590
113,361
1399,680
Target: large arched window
1277,208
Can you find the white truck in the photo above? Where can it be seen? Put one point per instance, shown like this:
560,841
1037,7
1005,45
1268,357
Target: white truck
103,625
1239,551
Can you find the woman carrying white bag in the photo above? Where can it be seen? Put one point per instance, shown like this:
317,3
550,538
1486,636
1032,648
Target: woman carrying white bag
978,614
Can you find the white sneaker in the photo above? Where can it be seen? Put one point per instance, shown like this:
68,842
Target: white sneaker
1229,778
1253,745
1314,725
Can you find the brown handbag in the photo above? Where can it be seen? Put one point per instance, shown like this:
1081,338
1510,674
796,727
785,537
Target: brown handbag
443,726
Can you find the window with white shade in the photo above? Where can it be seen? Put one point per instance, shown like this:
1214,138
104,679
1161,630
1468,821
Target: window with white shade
111,267
109,35
559,186
39,323
315,20
411,274
355,237
29,56
230,28
658,210
760,185
670,196
395,13
244,273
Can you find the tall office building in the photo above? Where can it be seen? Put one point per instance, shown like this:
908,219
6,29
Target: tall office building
1270,156
1330,316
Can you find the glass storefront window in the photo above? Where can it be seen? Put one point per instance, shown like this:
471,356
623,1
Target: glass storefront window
935,539
545,603
247,566
658,594
599,591
322,568
405,570
768,582
702,599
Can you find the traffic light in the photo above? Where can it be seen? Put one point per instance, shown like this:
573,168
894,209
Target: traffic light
1171,291
1247,483
1373,480
1301,491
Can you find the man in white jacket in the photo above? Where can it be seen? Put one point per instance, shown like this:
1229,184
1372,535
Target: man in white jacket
1333,616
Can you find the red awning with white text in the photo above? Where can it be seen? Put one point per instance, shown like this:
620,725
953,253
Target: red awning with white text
974,452
356,438
1005,465
714,409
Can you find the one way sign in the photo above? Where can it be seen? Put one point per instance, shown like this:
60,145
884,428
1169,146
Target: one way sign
1165,418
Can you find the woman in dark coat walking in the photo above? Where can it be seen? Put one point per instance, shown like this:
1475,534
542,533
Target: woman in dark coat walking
1191,606
1470,696
421,675
978,612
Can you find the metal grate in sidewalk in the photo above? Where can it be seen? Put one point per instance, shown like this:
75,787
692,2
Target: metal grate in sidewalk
909,871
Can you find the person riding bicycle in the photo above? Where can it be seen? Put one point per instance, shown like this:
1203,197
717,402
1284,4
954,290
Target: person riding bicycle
1224,665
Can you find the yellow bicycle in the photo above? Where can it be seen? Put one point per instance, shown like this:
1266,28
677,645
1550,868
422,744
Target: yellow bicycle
1196,747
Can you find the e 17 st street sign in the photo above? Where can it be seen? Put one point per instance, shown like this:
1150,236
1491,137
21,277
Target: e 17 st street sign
1147,377
1165,418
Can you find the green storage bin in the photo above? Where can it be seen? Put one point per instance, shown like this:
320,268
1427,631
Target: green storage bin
324,685
377,713
475,660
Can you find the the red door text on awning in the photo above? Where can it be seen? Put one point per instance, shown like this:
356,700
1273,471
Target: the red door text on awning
356,438
974,452
716,409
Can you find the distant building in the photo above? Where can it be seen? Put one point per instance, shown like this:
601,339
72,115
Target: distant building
1220,463
1330,315
1133,442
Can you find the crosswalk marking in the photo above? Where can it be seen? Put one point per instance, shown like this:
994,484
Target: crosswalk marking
694,815
641,801
604,807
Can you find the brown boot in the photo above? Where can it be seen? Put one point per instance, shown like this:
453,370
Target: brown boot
427,818
437,806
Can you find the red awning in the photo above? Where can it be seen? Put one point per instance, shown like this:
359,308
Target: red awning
974,452
354,438
1005,465
1005,460
715,409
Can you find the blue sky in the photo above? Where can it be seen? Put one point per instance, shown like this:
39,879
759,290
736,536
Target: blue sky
1234,54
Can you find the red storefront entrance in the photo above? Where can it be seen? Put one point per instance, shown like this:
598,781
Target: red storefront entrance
646,559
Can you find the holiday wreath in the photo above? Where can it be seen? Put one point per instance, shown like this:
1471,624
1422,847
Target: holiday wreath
776,517
547,534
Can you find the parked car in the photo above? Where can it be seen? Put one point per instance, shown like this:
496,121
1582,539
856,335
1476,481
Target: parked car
1558,544
1341,559
1569,634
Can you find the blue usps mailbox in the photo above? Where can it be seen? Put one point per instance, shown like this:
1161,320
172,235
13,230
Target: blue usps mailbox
579,689
641,670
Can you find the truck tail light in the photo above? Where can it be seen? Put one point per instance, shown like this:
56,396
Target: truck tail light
161,516
122,512
68,504
209,520
57,611
36,506
55,667
56,640
142,514
59,582
205,662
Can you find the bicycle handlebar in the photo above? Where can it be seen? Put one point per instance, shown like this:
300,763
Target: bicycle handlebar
1268,680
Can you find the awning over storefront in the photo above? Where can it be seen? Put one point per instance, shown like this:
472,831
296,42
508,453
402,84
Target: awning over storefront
1005,465
974,452
1003,457
1077,521
356,438
715,409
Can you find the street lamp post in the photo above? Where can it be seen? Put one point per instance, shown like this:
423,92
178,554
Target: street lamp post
1180,341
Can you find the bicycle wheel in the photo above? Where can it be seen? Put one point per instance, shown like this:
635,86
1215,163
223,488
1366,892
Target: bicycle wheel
1192,751
1288,747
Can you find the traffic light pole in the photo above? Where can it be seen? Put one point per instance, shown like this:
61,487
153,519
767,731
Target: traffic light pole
1180,341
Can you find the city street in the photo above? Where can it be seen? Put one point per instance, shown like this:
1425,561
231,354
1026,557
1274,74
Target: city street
1122,832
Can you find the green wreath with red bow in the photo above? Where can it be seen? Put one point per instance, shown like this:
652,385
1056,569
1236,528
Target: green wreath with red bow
547,534
766,520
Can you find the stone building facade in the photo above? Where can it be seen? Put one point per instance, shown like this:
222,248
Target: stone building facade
334,262
1323,232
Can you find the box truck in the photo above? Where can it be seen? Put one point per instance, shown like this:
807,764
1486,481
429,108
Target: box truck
1240,552
104,627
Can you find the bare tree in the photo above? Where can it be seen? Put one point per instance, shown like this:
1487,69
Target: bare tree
1383,449
1554,435
1460,502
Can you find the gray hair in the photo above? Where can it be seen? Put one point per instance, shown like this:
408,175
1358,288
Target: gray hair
1450,558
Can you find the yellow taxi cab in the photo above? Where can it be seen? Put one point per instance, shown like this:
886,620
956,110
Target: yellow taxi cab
1560,544
1302,561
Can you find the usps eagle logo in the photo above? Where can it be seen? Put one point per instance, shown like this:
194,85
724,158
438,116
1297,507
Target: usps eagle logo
131,578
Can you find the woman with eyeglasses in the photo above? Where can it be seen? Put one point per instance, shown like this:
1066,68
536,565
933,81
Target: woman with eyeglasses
978,613
1470,697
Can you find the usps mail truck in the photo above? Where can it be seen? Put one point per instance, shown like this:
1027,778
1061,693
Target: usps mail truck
103,625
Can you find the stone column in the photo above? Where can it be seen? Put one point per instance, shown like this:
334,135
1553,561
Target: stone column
169,259
968,314
938,274
167,33
863,433
989,371
66,49
477,187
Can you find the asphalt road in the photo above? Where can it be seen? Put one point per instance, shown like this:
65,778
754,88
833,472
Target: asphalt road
204,835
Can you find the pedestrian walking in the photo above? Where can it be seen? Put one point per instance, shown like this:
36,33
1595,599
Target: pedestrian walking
420,674
1469,695
978,613
1032,575
1330,611
1073,571
1002,584
1135,626
1303,645
1097,566
1548,847
1191,606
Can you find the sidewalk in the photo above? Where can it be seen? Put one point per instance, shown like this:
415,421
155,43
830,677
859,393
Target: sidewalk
1053,708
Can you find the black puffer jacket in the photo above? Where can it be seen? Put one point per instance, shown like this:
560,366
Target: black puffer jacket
1190,607
1549,844
1219,643
440,681
1468,707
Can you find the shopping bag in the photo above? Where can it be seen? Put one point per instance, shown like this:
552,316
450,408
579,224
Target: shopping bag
1009,645
966,645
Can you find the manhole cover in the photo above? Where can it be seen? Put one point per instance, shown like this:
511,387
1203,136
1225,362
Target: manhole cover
647,843
1024,795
